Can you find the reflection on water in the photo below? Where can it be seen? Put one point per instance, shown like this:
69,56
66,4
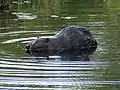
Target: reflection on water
29,19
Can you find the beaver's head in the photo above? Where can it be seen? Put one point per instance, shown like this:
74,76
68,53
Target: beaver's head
39,44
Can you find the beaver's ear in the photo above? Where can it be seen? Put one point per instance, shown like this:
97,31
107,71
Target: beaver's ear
47,39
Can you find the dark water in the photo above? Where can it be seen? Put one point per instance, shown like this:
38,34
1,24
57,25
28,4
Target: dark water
100,71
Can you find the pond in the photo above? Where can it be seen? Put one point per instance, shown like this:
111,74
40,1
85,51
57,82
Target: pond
30,19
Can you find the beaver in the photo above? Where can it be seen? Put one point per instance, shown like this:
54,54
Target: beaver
70,38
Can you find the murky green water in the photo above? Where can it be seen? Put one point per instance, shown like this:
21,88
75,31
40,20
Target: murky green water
100,71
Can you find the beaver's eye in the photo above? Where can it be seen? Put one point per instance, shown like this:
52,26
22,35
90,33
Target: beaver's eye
47,40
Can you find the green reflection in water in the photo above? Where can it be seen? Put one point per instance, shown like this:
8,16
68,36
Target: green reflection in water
97,14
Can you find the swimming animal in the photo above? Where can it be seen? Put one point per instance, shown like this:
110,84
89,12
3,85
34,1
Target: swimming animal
70,38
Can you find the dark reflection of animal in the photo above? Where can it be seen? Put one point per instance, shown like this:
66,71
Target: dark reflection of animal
66,56
69,39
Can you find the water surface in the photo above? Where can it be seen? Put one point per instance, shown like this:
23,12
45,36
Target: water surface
44,18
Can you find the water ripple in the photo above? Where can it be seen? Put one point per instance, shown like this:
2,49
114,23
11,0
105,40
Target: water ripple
33,75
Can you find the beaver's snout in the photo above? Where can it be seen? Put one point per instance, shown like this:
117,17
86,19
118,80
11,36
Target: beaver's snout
30,45
27,46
